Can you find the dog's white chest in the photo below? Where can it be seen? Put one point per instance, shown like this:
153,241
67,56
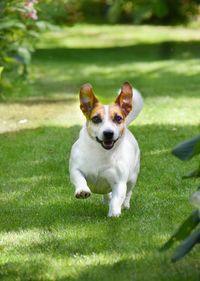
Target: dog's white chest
98,184
100,179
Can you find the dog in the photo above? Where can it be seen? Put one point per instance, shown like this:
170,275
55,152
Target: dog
106,157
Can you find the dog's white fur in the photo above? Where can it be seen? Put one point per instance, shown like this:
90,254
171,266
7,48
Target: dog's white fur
110,172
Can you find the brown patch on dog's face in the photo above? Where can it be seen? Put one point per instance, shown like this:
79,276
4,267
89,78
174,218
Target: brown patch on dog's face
117,117
97,111
95,120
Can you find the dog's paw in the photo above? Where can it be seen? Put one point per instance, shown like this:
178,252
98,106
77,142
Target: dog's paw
126,205
114,214
82,194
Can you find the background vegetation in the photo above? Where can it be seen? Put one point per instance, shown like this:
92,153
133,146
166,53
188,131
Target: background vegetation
116,11
21,23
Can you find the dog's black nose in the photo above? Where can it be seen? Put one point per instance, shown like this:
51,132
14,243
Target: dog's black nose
108,135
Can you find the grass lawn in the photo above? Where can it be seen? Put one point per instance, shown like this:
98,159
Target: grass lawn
47,234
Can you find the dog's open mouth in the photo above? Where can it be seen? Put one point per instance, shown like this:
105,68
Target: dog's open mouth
107,144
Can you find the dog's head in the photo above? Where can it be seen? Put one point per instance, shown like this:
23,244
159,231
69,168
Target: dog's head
106,123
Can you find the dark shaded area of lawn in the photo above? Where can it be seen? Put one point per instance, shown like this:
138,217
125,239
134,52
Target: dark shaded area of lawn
153,82
138,52
63,70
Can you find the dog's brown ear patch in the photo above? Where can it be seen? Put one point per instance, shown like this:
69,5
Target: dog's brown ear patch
87,99
124,100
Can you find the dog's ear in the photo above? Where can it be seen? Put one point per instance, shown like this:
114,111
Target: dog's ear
87,99
124,99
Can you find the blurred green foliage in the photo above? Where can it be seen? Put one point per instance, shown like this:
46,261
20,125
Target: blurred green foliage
60,12
19,30
119,11
68,12
153,11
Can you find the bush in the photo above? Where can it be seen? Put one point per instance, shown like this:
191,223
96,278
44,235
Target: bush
118,11
153,11
68,12
61,12
18,32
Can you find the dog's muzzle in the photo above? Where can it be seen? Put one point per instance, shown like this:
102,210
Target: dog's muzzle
108,141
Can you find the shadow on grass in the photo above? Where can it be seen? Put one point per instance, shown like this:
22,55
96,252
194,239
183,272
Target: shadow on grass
130,269
107,68
61,71
162,81
48,100
138,53
154,268
46,95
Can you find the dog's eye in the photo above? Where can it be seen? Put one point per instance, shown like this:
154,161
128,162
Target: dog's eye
96,119
117,119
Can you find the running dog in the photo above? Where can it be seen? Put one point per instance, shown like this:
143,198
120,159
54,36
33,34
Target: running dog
106,157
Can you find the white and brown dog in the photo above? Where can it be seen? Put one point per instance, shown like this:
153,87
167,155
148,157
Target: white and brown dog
106,158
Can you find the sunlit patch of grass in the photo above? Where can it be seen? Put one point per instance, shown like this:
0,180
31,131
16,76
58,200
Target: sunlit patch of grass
93,36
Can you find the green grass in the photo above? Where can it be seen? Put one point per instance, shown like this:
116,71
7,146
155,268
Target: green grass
46,234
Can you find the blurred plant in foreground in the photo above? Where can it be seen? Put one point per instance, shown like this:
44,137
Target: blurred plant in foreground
186,232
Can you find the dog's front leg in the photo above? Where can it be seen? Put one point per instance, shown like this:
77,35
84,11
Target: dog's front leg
82,190
118,196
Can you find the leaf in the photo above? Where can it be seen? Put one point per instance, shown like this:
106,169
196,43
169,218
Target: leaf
193,174
1,70
183,231
41,25
33,33
9,59
187,149
24,56
44,26
195,199
186,246
12,24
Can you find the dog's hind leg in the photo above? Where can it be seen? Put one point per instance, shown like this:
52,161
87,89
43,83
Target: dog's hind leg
130,186
126,203
118,197
106,198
